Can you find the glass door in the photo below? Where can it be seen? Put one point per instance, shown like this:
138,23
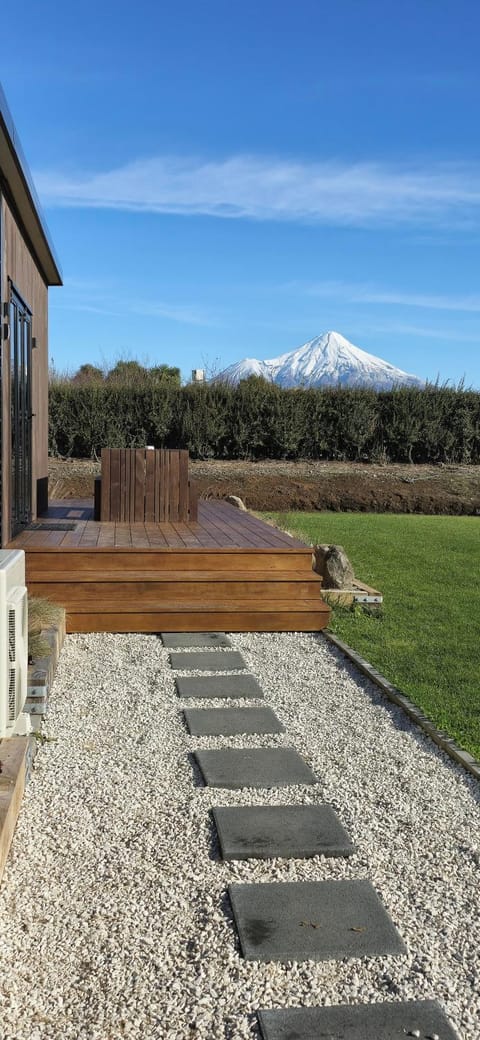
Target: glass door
20,411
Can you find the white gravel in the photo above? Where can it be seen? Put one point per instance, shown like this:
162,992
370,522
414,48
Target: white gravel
113,916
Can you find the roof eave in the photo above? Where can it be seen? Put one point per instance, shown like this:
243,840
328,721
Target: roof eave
17,175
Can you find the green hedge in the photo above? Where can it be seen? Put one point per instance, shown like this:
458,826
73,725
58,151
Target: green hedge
259,420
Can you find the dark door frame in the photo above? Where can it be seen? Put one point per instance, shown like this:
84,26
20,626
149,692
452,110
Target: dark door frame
20,322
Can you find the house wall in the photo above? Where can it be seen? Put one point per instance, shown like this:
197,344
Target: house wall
18,264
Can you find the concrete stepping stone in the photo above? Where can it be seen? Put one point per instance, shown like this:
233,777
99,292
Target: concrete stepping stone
229,722
207,661
218,686
291,831
312,920
253,767
175,640
398,1021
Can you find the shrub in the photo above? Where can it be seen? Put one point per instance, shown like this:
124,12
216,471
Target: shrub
258,419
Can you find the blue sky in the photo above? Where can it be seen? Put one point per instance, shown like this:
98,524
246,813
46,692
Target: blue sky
230,179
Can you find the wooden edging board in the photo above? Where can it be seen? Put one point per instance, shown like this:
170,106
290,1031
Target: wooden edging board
397,697
41,674
358,593
15,755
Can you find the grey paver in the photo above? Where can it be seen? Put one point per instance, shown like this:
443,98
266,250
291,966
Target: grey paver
253,767
182,639
294,831
218,686
228,722
207,661
394,1021
312,920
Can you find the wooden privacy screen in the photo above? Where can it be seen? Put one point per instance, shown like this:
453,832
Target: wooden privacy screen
146,485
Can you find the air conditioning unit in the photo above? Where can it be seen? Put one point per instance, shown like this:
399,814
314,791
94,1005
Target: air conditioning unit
13,644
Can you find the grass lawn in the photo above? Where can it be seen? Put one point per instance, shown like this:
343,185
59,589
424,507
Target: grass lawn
426,641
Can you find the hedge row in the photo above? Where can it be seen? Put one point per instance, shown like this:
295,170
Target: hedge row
258,420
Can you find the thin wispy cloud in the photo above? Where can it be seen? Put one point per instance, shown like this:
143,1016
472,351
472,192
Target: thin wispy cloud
91,298
329,192
183,313
425,332
351,292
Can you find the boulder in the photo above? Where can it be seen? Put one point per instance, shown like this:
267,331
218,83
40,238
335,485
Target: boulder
332,563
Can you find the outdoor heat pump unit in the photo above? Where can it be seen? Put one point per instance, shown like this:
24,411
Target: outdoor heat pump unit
13,644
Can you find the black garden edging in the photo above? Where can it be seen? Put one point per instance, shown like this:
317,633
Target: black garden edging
394,694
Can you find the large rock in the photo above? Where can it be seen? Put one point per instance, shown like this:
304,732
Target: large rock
331,561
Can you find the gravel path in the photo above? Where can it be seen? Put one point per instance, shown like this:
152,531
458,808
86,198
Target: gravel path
113,916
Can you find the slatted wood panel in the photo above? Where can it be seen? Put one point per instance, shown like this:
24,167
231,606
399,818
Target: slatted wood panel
146,486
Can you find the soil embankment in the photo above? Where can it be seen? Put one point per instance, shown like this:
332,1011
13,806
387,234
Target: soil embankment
308,486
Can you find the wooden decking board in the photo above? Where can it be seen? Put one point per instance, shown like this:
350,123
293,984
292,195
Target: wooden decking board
232,522
237,518
208,526
90,534
140,539
73,538
156,536
232,533
106,535
191,539
122,536
174,539
258,530
234,519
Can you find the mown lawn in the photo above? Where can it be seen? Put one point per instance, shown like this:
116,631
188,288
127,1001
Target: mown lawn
426,640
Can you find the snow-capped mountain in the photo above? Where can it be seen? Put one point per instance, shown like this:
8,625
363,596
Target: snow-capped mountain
328,360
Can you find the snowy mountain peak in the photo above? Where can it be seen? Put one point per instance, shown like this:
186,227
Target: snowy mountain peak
327,360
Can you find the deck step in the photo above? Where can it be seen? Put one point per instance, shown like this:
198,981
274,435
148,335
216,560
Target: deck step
154,591
197,620
121,596
44,563
165,577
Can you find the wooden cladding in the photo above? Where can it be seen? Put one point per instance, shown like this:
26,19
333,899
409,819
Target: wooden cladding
18,268
146,485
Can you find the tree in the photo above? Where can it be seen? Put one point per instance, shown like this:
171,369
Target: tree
128,373
87,375
164,373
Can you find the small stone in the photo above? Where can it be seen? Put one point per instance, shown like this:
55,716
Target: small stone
234,500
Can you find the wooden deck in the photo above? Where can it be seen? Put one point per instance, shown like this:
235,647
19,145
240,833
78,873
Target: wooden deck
226,571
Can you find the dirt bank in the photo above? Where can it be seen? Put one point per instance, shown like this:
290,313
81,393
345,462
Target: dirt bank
338,486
